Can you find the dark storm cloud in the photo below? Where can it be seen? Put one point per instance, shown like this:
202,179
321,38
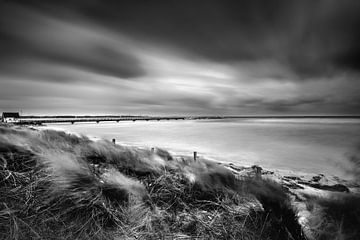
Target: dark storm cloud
30,35
314,38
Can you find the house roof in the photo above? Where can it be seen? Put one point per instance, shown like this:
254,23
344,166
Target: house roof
11,115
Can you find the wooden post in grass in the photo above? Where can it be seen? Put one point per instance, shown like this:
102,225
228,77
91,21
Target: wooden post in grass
195,156
257,170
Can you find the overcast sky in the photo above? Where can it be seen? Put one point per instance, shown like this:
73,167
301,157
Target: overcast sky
176,57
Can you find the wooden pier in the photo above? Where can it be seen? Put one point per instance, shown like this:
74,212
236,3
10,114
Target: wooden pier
39,121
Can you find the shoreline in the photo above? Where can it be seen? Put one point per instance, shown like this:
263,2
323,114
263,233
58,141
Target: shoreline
187,153
305,176
272,145
298,183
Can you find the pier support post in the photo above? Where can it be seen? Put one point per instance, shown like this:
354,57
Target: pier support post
195,156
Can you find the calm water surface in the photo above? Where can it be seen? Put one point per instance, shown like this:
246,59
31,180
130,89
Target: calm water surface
306,145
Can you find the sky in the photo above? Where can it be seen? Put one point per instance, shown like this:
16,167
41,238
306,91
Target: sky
179,57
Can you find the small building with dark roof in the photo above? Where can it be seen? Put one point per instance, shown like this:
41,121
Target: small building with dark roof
10,117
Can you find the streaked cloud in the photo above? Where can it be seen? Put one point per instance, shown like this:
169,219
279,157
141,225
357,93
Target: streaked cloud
180,57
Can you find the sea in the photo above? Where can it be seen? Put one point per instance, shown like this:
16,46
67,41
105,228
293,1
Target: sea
301,145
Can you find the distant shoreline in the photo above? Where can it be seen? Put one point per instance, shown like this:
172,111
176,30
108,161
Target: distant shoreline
189,117
40,120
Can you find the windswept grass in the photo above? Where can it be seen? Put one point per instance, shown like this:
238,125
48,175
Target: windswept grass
55,185
336,217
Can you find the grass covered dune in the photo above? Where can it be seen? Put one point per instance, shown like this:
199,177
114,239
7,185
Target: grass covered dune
55,185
